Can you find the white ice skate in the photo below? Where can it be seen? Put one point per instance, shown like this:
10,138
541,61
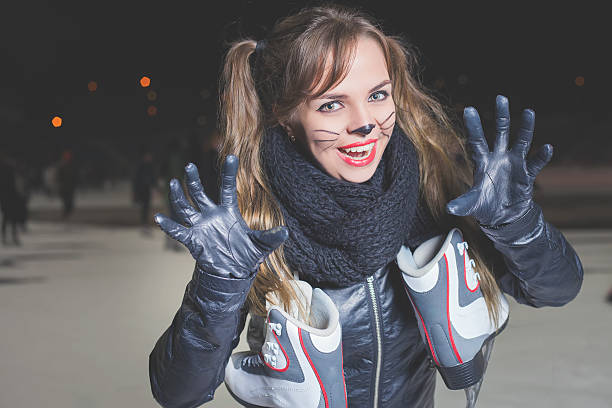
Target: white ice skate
299,365
451,312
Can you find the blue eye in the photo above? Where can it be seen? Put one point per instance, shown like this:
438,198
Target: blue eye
330,106
378,96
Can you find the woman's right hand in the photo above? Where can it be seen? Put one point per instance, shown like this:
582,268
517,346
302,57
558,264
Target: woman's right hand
217,236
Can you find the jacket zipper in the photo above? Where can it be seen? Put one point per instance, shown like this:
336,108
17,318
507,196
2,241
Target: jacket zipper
370,281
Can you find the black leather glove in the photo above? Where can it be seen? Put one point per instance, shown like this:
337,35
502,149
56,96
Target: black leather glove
216,235
503,179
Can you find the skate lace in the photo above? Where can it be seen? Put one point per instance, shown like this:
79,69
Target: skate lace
276,327
269,352
253,360
462,247
270,349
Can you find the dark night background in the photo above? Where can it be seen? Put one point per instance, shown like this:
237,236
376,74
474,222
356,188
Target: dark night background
85,294
469,53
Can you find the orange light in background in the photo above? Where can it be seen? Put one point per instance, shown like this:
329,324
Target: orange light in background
579,81
56,121
151,95
145,81
92,86
151,111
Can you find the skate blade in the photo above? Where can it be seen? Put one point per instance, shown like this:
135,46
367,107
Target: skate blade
471,393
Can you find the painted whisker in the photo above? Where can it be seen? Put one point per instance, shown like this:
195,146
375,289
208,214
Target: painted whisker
388,127
328,147
388,117
326,131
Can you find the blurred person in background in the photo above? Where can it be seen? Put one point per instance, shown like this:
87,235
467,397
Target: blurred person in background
23,181
10,200
143,184
67,179
49,179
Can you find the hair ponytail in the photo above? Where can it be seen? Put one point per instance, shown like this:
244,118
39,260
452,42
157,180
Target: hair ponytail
240,108
242,127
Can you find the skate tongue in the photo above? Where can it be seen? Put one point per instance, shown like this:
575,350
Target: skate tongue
405,261
427,250
417,264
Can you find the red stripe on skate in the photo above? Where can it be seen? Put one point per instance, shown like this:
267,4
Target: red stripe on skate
450,332
342,369
314,369
433,353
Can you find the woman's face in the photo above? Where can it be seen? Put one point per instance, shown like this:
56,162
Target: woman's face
347,129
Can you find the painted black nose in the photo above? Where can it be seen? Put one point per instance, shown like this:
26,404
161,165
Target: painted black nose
364,130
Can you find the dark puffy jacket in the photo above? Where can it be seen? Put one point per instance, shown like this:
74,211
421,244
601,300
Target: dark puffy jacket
385,361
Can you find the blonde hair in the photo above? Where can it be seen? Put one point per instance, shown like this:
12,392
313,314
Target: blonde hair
265,92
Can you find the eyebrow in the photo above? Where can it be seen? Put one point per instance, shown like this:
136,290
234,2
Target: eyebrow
342,96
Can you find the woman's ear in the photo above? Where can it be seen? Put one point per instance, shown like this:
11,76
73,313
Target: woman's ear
289,130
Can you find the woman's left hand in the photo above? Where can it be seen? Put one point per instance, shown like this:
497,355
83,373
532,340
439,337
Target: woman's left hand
503,179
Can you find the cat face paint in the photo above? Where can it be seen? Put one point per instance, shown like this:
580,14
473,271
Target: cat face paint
347,129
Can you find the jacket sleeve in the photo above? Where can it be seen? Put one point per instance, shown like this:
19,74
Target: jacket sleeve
188,361
541,267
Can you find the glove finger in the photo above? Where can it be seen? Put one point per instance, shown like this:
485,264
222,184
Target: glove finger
228,181
465,204
267,241
525,135
196,191
476,139
502,123
537,162
181,207
173,229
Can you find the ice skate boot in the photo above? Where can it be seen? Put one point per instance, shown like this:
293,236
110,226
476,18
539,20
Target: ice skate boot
453,319
299,365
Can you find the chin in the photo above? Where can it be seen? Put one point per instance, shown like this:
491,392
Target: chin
359,175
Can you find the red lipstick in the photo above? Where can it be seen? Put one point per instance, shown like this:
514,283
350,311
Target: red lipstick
358,144
362,161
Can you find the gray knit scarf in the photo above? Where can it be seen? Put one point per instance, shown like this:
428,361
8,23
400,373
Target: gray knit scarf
341,232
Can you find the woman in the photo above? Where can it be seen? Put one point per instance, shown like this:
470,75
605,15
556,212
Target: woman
293,108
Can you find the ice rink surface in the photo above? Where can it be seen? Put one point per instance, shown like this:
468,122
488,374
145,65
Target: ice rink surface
82,306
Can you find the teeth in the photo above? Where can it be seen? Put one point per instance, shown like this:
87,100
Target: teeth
366,148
